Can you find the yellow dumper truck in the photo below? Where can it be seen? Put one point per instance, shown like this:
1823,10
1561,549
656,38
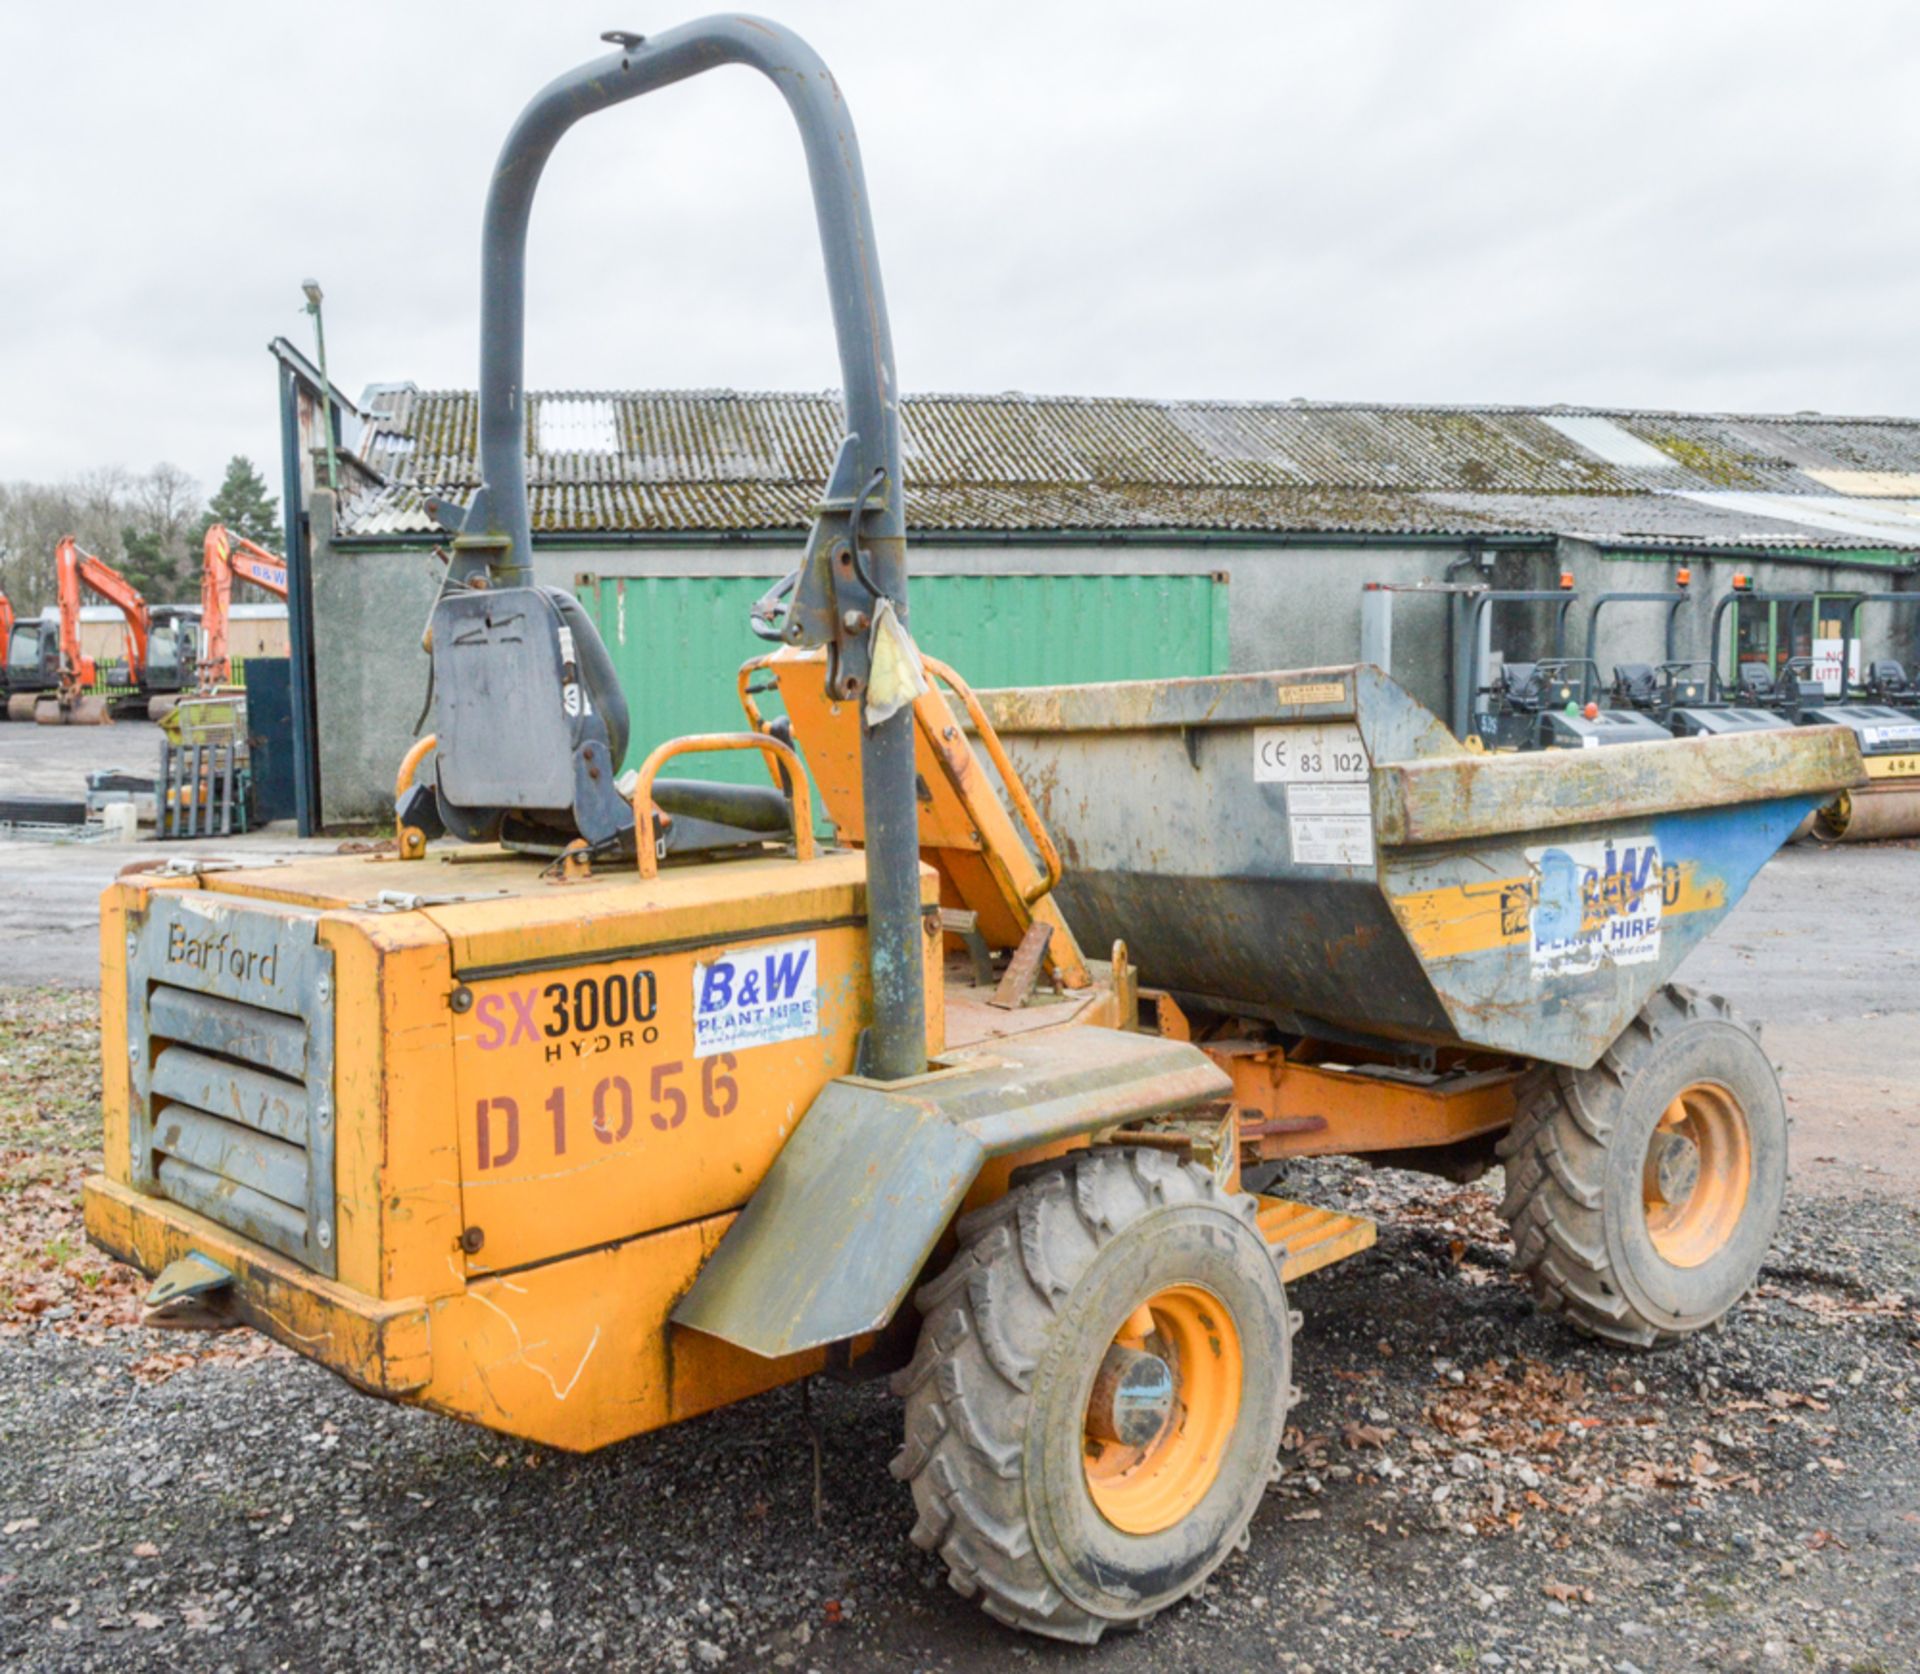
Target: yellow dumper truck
644,1094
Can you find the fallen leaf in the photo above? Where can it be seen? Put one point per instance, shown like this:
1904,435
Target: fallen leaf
1566,1593
146,1549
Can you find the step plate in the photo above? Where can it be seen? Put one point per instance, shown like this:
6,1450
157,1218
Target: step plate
1312,1238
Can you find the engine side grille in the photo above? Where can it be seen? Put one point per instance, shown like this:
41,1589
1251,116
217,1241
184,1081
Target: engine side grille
230,1023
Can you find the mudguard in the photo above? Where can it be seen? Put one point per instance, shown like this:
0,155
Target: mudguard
844,1221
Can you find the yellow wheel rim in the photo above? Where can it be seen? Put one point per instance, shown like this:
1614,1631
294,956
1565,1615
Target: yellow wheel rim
1142,1489
1698,1172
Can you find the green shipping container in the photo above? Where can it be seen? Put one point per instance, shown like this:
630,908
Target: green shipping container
678,641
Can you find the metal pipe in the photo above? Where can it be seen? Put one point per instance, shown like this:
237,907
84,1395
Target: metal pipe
306,752
896,1046
1376,626
1479,616
1672,600
846,238
310,288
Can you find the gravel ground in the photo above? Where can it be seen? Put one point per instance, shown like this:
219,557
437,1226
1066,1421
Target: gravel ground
1470,1487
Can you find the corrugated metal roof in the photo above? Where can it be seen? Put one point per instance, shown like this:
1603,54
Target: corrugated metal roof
712,460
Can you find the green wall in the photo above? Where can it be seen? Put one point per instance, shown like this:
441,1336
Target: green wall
678,641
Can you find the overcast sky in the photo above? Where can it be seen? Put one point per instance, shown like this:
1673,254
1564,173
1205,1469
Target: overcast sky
1692,205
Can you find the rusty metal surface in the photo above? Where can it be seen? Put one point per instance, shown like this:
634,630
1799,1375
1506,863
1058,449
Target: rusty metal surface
1257,865
226,1027
1023,969
855,1203
266,1103
1475,796
1884,809
1308,1238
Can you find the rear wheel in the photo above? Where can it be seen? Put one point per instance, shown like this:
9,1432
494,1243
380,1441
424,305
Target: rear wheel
1643,1192
1095,1408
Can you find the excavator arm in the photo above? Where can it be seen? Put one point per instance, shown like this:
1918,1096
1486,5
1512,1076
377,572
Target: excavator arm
76,667
74,569
225,556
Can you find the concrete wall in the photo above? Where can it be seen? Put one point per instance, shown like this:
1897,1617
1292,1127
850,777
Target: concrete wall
1292,607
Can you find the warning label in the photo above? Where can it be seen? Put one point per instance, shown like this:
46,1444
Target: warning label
756,997
1330,825
1595,904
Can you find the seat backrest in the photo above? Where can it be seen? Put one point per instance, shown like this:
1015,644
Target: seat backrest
1636,682
521,686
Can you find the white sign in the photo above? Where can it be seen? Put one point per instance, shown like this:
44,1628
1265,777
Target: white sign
1903,732
1318,753
1595,904
1330,825
756,997
1827,665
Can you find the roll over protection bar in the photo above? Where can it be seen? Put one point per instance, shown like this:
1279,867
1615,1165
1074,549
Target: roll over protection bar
856,552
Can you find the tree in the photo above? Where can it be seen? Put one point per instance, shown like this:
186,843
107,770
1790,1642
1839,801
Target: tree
243,504
164,501
143,526
146,562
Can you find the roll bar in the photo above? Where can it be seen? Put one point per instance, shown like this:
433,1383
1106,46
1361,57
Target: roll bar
1466,689
1896,601
1672,599
642,65
856,554
1793,601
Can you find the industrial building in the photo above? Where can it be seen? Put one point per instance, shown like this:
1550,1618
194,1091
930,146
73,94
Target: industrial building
1066,539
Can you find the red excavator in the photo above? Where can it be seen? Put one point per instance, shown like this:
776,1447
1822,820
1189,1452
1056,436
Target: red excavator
72,702
161,645
225,557
6,651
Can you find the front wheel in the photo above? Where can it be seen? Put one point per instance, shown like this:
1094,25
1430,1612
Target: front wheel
1095,1408
1643,1193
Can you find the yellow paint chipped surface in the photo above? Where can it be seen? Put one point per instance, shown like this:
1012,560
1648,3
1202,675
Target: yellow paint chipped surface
1462,919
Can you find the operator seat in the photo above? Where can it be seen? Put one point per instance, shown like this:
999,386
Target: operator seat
530,721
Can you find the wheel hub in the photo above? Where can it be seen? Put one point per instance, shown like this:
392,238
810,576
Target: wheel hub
1163,1406
1673,1169
1697,1175
1132,1397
